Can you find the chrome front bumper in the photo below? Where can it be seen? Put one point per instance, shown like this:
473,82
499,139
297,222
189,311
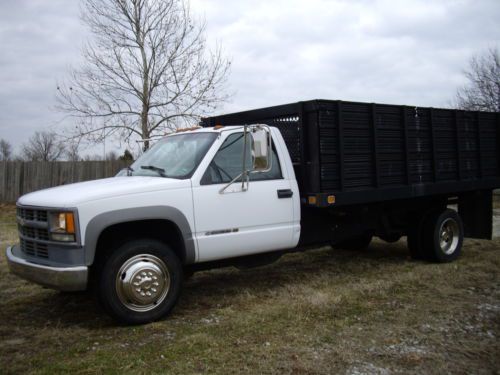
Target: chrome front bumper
60,278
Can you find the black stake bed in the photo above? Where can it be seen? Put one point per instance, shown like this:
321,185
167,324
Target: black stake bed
352,153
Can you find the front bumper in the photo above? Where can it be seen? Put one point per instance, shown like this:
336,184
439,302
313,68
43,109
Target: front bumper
60,278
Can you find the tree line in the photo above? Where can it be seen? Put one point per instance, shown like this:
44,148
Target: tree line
47,146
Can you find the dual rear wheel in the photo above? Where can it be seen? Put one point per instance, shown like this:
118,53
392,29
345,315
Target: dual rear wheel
436,236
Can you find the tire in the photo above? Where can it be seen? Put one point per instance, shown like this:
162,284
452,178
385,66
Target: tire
157,274
358,243
443,236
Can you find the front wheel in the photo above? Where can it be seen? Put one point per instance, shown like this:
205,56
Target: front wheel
140,282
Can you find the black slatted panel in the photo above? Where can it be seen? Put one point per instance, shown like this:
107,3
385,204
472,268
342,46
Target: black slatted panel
358,146
435,153
420,146
468,146
391,145
446,145
489,144
329,150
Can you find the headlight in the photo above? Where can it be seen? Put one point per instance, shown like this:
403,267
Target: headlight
62,226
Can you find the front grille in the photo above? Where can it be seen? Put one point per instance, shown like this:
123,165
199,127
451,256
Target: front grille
32,214
33,228
34,249
34,233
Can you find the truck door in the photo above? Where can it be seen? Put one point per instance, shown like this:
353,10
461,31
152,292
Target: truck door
238,222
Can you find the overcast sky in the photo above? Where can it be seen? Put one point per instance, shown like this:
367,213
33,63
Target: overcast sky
402,52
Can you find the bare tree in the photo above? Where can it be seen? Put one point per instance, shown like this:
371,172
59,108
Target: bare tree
5,150
73,150
43,146
146,72
482,93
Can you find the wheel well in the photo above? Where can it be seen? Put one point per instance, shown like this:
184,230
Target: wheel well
162,230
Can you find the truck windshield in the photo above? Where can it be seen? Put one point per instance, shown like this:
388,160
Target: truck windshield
175,156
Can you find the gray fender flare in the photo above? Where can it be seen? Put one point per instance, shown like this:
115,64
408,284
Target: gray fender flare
102,221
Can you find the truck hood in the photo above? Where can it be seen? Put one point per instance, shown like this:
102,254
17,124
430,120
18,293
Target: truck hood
73,194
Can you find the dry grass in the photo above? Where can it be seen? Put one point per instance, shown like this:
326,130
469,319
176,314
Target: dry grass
320,312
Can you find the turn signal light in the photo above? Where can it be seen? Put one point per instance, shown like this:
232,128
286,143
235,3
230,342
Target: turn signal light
70,223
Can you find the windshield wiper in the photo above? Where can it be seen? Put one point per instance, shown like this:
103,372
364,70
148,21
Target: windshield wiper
159,170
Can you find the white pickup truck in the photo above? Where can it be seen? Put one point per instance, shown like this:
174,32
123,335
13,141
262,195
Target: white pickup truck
228,195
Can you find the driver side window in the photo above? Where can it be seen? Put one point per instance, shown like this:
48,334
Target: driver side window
227,163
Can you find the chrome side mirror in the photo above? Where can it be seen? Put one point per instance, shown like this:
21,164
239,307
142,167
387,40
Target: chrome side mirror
261,149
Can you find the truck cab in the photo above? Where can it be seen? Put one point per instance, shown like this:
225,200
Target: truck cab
195,197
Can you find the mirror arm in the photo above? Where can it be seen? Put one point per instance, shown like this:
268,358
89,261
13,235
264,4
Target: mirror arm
244,179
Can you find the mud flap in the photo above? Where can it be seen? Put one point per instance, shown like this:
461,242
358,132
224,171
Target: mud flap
476,211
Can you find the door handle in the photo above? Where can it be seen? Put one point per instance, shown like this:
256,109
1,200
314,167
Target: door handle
285,193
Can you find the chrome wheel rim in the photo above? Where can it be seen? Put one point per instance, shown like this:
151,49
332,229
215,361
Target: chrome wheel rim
449,236
142,282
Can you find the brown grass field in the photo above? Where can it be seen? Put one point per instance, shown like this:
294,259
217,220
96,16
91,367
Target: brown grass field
321,312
